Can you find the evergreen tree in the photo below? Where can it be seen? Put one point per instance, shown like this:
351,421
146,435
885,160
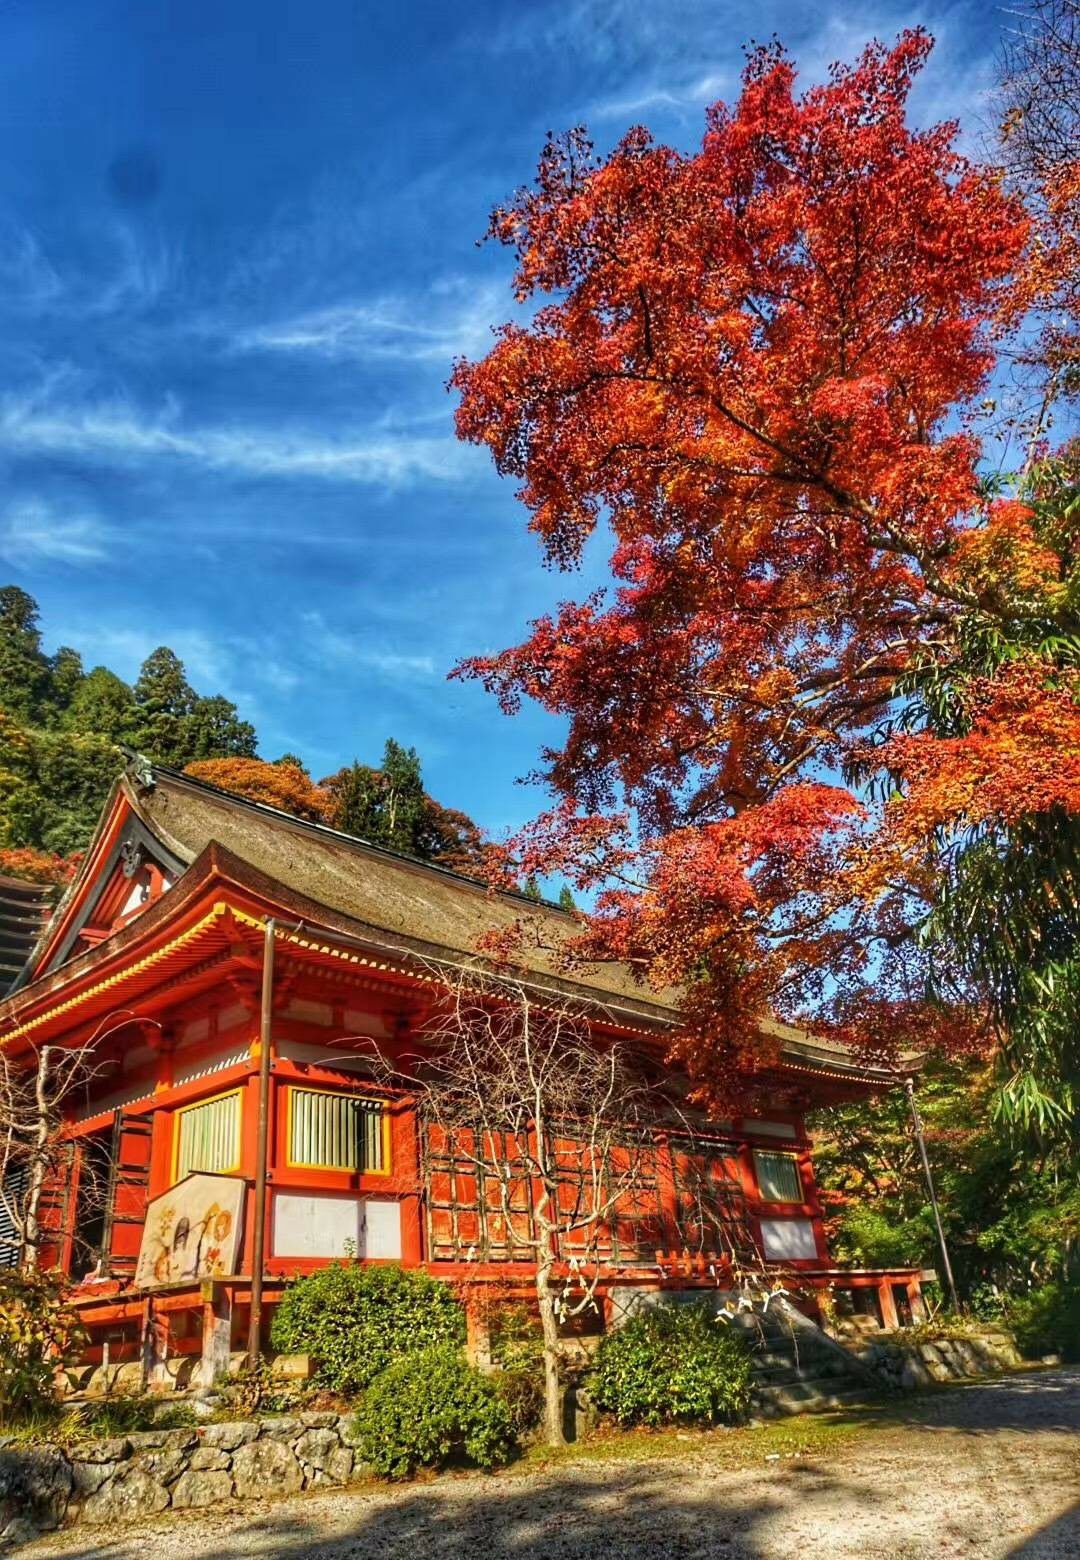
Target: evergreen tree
404,803
531,889
24,669
65,678
103,703
165,701
357,791
215,730
566,900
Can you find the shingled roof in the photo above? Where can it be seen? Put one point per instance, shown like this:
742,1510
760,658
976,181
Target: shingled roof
391,901
421,905
25,909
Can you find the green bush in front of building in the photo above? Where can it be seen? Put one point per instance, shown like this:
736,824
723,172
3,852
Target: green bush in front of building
356,1320
431,1408
672,1363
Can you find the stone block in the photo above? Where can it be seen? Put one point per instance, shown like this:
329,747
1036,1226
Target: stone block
340,1465
88,1477
346,1429
209,1459
229,1436
35,1483
133,1493
284,1429
201,1487
266,1467
914,1374
315,1446
112,1450
165,1466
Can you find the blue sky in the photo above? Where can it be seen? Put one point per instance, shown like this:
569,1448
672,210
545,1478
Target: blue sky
237,257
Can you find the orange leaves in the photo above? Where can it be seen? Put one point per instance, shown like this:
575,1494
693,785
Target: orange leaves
754,364
1003,560
285,786
1022,755
36,866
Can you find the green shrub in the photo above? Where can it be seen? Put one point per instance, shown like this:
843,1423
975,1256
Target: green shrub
517,1349
39,1333
1046,1320
430,1408
357,1320
521,1388
672,1362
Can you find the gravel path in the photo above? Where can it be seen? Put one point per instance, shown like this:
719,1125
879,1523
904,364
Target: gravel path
988,1470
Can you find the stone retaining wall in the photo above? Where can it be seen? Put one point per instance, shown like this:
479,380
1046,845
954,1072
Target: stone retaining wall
910,1366
120,1479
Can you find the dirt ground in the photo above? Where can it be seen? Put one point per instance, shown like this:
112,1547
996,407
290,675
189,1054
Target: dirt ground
987,1470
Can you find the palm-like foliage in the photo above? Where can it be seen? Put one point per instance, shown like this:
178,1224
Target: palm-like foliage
1006,917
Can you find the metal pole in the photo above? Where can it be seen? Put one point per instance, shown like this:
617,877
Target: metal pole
258,1237
909,1085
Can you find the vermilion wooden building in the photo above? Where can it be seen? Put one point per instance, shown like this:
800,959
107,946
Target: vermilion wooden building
155,957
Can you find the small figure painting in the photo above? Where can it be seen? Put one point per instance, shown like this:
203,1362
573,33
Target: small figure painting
192,1231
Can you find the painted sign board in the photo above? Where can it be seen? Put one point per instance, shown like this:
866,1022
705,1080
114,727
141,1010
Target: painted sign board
192,1231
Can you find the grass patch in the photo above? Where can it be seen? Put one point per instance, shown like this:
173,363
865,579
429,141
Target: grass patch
804,1435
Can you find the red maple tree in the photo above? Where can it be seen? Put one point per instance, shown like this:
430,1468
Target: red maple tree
756,366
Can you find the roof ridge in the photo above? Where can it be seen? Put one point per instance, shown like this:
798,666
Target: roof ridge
139,766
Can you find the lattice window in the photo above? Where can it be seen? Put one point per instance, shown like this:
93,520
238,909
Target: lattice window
329,1131
208,1136
474,1215
710,1200
778,1177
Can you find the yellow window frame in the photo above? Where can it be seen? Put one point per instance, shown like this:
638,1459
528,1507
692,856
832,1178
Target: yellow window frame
362,1099
210,1099
793,1159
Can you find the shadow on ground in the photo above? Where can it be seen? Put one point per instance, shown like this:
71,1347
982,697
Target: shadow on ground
1059,1540
1000,1457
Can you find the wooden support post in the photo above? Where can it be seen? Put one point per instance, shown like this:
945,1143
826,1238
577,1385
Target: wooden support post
216,1334
889,1319
915,1300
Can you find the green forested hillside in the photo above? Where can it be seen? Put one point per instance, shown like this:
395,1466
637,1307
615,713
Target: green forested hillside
61,730
60,726
1010,1206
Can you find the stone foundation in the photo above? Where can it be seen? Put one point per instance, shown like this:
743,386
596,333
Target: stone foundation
909,1366
107,1482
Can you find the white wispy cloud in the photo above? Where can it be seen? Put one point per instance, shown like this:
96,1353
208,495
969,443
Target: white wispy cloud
324,643
120,271
449,319
664,61
32,531
117,433
675,97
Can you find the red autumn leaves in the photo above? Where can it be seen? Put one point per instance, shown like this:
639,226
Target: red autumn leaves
755,364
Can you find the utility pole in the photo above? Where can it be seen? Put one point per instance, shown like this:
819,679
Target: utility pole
909,1085
258,1234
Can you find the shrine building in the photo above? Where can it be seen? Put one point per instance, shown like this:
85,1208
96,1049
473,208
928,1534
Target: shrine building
228,964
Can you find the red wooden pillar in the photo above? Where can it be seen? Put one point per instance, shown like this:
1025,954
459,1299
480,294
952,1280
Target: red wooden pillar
748,1181
669,1199
406,1165
889,1319
162,1123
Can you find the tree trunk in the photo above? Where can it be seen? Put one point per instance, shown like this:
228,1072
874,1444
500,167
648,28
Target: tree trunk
32,1231
553,1408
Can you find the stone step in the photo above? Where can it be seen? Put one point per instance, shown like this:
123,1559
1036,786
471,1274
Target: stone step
805,1397
806,1370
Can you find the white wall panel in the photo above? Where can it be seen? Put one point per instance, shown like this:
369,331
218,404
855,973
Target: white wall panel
788,1240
